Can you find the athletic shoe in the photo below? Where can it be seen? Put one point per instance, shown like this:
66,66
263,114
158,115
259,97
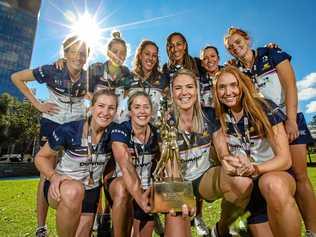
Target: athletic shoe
41,231
309,233
200,226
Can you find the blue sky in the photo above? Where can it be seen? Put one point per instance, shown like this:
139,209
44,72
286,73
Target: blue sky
290,24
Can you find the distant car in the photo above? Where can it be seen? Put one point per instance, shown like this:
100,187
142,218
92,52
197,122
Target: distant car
11,158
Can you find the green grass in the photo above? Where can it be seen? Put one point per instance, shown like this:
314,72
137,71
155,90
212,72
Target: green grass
17,207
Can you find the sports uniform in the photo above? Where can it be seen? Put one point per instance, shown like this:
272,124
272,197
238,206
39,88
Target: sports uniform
100,78
195,151
265,77
77,164
67,95
152,86
257,148
144,158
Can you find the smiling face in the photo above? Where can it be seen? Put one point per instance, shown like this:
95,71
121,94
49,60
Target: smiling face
103,110
117,53
176,49
210,60
228,90
140,111
238,45
149,58
76,56
184,92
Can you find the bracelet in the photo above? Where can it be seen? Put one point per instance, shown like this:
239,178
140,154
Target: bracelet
51,176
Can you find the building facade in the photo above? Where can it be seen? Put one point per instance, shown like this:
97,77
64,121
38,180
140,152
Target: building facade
18,21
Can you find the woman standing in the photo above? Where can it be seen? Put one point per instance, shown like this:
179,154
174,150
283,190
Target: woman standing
178,54
134,142
273,76
210,63
146,74
110,74
66,90
195,133
72,188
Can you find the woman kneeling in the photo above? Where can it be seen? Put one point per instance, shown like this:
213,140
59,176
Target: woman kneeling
256,135
73,187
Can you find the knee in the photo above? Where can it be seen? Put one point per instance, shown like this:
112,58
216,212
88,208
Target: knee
242,185
276,193
72,194
120,195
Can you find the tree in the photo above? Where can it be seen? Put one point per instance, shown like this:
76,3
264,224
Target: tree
313,121
18,122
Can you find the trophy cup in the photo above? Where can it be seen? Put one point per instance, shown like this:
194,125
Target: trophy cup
169,191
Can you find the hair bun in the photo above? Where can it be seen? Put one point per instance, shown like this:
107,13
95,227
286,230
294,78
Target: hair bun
116,35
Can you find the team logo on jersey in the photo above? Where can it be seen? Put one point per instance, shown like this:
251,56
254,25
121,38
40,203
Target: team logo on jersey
265,59
266,66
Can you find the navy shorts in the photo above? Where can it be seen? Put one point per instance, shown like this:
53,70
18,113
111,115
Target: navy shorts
90,201
257,205
139,213
46,129
305,136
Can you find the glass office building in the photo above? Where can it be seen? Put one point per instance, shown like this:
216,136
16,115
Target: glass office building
18,20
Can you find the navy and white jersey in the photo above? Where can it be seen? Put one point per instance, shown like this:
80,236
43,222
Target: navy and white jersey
152,86
194,148
265,76
99,77
144,155
75,162
260,148
62,91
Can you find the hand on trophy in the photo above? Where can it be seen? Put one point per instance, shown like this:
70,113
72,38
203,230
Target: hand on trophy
186,211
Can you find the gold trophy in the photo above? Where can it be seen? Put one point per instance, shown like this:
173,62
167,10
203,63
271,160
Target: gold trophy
169,191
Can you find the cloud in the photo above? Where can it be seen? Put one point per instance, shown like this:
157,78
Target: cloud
307,87
311,107
306,94
307,81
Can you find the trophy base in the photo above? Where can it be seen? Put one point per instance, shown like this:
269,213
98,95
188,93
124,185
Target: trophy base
169,195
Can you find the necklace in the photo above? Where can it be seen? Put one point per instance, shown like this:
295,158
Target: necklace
93,152
139,156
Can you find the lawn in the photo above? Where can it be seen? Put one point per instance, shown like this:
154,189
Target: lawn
17,207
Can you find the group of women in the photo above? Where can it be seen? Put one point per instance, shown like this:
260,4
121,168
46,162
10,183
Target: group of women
246,112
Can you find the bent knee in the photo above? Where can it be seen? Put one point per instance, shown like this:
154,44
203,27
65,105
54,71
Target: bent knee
119,192
72,192
275,190
242,185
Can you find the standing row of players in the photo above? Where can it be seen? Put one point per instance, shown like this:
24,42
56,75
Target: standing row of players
238,103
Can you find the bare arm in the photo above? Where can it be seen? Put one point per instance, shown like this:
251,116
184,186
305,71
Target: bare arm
130,177
45,162
287,78
282,158
20,79
229,163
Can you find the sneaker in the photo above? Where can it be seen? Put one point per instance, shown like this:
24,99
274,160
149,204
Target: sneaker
41,231
159,228
200,226
309,233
